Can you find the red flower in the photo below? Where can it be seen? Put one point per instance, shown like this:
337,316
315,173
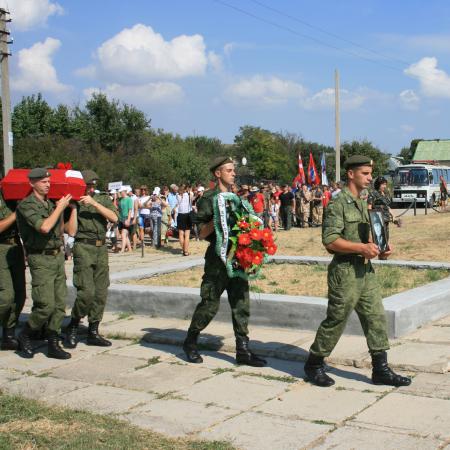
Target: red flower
267,234
257,258
243,225
271,249
255,234
244,239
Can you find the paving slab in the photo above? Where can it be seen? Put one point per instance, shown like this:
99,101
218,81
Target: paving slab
235,392
136,327
175,417
411,414
432,334
355,438
276,368
147,350
307,402
103,368
217,360
42,388
255,431
429,385
419,357
444,322
7,375
163,377
102,399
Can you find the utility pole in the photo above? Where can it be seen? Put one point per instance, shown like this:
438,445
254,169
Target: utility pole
337,144
6,100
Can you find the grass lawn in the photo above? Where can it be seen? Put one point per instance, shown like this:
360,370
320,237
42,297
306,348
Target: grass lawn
299,279
28,424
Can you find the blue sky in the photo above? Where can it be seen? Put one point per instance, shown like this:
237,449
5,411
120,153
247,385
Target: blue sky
203,67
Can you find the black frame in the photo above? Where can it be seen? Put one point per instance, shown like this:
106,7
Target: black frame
378,229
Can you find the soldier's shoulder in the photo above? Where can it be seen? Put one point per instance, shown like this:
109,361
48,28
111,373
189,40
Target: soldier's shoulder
27,201
210,193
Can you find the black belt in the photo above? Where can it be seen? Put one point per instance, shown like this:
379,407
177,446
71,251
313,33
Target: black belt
48,252
351,257
95,242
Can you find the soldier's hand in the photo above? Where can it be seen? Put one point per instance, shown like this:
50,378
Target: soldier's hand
63,202
87,200
370,250
387,253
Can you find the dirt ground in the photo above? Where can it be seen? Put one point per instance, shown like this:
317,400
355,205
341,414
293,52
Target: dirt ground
295,279
421,238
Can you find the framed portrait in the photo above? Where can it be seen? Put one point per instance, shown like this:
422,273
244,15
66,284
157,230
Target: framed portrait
378,228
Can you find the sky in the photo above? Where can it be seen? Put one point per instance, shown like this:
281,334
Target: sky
208,67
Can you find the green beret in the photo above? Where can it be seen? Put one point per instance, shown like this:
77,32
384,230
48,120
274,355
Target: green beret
89,176
220,161
37,173
357,161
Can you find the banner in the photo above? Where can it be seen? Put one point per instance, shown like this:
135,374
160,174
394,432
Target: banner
313,175
114,185
323,164
300,178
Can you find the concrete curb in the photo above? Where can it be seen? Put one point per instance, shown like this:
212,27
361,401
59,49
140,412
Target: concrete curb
405,312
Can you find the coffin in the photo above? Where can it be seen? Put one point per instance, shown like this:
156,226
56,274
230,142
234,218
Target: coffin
16,186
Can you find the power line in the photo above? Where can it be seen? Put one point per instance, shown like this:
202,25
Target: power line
302,35
314,27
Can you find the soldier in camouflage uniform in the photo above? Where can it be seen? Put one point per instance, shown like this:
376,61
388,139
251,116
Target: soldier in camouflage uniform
90,262
351,280
41,227
302,202
216,280
12,275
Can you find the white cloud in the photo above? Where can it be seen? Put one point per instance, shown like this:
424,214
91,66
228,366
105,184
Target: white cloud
434,82
27,14
264,90
409,100
145,94
139,55
325,99
36,71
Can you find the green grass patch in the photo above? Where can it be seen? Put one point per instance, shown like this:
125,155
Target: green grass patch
29,424
125,315
220,370
280,291
150,362
256,288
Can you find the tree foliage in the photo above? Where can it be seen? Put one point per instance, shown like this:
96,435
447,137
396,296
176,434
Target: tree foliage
116,140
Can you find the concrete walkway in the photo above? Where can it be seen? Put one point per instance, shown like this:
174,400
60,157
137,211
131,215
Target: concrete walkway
144,379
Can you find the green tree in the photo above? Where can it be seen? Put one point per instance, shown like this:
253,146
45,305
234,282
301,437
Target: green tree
266,156
365,148
407,154
32,116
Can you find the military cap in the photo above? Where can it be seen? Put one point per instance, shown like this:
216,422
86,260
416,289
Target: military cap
37,173
89,176
219,161
357,161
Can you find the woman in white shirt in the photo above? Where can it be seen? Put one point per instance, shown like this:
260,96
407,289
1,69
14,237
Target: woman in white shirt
184,223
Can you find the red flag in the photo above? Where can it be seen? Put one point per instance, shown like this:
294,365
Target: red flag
313,175
300,178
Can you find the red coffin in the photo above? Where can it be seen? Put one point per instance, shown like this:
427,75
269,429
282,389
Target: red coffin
16,186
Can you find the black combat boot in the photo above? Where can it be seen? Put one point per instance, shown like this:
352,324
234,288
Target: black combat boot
54,349
315,371
9,341
244,356
190,347
94,338
71,333
382,373
25,348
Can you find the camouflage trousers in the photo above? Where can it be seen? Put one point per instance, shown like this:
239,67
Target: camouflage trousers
215,282
317,214
91,278
12,284
48,290
303,217
352,285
